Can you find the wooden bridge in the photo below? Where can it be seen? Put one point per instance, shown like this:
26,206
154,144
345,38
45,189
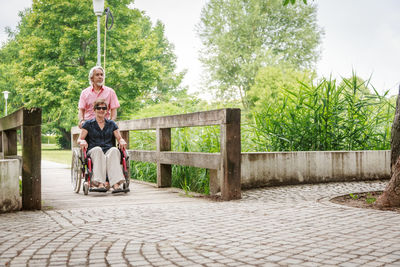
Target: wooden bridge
224,167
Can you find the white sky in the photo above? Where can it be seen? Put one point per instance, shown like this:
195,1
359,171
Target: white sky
360,35
363,35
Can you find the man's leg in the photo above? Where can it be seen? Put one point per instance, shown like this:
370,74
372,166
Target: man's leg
99,164
114,169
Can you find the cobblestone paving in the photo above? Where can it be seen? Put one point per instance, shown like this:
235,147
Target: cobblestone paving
279,226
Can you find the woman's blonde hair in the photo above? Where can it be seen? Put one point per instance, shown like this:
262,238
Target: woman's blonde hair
98,102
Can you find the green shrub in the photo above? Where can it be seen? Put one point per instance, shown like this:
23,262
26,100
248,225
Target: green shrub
63,142
144,171
49,139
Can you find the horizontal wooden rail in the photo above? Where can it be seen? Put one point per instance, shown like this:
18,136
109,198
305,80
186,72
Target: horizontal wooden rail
143,155
193,159
205,118
21,117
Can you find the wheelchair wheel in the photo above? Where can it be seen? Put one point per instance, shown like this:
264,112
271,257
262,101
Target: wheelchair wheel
125,186
127,177
76,170
85,188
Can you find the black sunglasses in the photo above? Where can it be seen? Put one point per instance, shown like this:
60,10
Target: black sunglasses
103,108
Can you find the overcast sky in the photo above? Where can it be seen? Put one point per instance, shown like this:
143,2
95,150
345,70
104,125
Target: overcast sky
360,35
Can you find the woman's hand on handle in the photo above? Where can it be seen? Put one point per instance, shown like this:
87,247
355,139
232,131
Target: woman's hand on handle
122,144
83,144
81,140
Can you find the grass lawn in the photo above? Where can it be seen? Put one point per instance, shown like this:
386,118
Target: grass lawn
52,153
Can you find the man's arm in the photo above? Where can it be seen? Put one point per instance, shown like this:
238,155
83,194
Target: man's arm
113,115
114,105
81,117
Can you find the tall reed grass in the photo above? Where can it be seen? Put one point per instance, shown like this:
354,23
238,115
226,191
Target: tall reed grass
325,116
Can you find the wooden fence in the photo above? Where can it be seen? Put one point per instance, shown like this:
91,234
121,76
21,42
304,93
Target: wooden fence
224,167
28,122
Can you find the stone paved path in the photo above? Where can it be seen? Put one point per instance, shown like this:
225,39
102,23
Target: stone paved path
280,226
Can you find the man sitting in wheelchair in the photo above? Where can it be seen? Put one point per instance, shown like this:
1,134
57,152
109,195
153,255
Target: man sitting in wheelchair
98,137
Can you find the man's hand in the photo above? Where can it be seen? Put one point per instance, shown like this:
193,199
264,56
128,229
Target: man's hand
83,144
122,144
81,123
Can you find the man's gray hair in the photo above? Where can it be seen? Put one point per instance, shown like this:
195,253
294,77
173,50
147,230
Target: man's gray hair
92,71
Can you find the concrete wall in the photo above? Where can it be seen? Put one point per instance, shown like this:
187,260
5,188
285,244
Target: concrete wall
10,199
282,168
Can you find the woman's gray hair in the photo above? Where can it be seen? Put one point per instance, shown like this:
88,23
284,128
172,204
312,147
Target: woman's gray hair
92,71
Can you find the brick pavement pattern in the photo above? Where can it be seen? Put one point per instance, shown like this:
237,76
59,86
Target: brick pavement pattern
278,226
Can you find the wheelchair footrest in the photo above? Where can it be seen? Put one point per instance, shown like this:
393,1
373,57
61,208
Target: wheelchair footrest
96,189
115,191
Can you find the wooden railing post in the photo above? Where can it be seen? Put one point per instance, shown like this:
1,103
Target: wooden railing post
74,139
31,158
1,144
231,156
215,181
125,135
9,141
164,171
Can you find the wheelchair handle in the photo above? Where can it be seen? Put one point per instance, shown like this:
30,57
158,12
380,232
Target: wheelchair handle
123,152
84,153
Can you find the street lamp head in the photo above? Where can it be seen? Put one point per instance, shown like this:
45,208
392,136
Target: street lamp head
98,7
6,94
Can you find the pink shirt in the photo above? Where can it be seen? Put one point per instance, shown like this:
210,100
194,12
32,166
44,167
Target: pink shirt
88,96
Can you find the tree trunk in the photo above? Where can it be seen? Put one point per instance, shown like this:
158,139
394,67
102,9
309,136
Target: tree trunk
67,136
64,141
391,195
395,136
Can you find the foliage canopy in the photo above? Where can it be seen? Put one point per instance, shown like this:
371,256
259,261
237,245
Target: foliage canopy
46,61
239,37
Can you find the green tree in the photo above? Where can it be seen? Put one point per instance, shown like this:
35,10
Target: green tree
239,37
270,81
285,2
46,61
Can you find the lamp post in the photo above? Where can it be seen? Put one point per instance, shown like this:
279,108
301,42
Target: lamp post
6,97
98,7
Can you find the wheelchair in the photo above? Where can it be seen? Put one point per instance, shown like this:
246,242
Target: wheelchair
81,171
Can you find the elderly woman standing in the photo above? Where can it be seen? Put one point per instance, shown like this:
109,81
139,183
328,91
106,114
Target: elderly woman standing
100,134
